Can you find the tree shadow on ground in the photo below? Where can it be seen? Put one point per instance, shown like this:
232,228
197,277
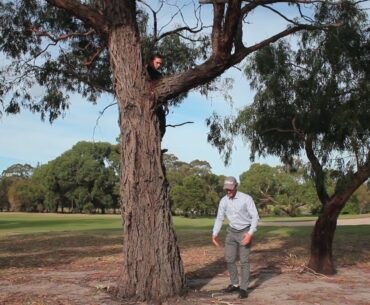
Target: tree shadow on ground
51,250
262,270
207,272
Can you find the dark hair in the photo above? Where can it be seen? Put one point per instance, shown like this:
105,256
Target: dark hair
156,55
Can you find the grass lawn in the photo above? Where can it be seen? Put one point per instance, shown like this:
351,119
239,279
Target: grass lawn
37,239
307,218
25,223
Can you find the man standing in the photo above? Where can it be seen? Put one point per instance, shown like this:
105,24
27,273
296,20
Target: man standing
155,64
240,210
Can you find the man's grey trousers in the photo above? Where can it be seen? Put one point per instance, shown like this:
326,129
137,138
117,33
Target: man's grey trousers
233,246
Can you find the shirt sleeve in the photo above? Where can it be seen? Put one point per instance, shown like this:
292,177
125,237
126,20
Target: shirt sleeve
220,218
252,210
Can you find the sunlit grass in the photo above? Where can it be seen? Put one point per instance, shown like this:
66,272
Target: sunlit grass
28,233
26,223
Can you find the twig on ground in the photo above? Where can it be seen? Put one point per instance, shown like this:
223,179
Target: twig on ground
316,274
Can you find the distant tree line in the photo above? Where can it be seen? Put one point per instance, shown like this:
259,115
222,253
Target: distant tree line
85,179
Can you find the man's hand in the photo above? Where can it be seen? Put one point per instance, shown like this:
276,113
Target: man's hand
247,239
215,241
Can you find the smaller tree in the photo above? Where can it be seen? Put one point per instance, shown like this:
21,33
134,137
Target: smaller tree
5,184
195,190
18,170
314,99
83,179
277,191
26,196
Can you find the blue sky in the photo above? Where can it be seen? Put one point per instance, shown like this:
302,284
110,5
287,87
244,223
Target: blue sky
25,139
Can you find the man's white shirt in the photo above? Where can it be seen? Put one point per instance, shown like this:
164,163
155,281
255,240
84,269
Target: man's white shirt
240,211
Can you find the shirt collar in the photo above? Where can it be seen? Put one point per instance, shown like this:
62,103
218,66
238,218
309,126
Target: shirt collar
235,197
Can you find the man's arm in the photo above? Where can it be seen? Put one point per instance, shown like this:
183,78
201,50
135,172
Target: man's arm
218,222
252,210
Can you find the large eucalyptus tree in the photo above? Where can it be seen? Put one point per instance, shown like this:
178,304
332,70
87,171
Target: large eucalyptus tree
92,47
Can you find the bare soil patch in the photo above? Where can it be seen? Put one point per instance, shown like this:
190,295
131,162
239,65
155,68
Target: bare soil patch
78,269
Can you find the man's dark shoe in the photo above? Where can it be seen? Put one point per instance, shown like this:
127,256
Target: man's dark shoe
231,288
243,294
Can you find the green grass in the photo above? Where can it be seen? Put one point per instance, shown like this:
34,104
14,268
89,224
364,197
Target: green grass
307,218
51,234
31,223
26,223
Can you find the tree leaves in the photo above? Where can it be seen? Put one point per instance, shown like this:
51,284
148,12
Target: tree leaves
49,49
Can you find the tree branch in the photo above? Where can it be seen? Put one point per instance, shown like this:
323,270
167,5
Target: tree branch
253,4
55,39
100,115
95,56
154,13
317,168
172,17
232,19
218,15
62,37
189,122
295,130
239,56
280,14
239,36
353,181
268,197
176,31
83,12
189,39
171,86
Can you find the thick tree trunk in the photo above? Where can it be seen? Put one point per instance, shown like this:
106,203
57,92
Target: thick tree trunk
321,259
152,268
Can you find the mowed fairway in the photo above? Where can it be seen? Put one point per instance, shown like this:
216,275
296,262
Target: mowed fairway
106,230
25,223
42,255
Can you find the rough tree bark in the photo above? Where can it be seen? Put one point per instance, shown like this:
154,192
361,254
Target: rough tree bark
321,258
152,268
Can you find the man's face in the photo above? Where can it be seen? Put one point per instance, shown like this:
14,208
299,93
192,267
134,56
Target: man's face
157,63
231,192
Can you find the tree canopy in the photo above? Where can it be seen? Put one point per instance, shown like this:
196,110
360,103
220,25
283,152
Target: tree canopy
84,178
56,54
18,170
195,190
279,192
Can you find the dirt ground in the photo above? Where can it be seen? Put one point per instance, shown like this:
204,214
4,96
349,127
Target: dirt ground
80,270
